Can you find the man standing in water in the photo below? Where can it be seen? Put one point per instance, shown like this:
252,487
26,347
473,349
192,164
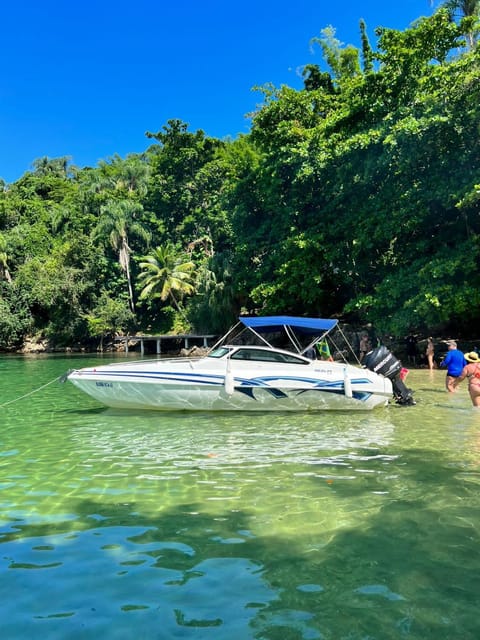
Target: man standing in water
454,361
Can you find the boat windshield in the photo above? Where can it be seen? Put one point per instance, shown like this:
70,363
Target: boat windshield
257,355
219,352
266,355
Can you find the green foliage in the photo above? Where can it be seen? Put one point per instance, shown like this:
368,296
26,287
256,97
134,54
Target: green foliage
15,318
53,290
343,62
367,52
385,175
109,316
467,13
116,223
4,271
429,294
167,274
356,196
214,308
182,189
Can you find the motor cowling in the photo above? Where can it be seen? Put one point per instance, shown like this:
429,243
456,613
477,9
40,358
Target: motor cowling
381,360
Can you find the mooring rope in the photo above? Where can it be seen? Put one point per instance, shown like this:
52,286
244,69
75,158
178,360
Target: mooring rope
30,393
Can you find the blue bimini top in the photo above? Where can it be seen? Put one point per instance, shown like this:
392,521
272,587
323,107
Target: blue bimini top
268,324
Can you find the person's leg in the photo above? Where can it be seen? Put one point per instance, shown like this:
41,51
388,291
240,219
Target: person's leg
449,383
475,394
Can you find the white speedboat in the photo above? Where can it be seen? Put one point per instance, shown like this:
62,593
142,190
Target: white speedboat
256,376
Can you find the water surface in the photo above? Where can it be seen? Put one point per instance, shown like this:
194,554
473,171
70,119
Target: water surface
335,526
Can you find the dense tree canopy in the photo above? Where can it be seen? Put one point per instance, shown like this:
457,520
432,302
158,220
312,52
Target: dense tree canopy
356,196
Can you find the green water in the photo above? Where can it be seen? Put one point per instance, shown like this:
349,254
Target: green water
235,527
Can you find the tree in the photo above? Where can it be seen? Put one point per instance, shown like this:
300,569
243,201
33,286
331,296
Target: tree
117,221
167,274
348,196
15,317
214,307
4,272
343,61
467,12
314,78
129,175
185,180
57,167
55,287
466,8
367,53
109,316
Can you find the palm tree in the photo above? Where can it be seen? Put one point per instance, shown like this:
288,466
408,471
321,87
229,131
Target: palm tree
215,307
167,274
467,9
116,222
46,166
463,9
133,174
130,175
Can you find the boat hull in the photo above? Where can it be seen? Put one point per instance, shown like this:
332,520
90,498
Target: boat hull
189,388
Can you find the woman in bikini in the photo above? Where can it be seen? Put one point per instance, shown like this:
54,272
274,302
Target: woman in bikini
472,372
430,353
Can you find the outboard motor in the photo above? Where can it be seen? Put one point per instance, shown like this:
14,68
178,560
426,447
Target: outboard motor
382,361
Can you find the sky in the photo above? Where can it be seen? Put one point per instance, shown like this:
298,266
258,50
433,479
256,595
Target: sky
88,79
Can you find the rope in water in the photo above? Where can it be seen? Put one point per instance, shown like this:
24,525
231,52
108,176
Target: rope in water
30,393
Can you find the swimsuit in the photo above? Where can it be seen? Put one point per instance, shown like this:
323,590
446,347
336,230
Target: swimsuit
474,378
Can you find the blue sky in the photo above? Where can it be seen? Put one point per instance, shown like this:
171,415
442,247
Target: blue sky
88,79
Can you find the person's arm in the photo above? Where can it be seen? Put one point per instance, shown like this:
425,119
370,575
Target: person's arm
461,377
446,360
